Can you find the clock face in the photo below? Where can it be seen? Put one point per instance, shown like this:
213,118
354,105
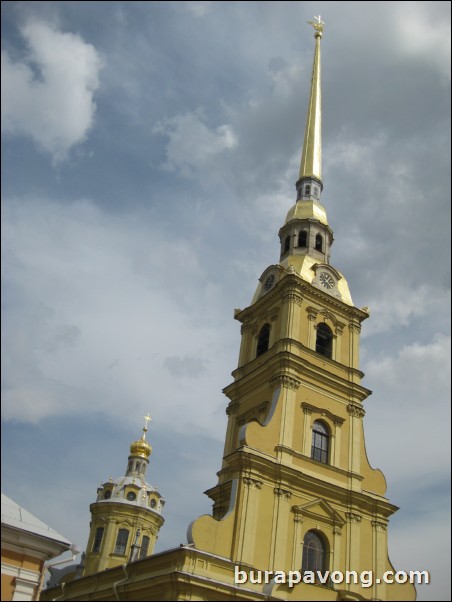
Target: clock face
326,280
269,282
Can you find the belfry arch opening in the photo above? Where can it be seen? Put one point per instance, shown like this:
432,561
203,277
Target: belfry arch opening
319,243
303,238
263,340
324,340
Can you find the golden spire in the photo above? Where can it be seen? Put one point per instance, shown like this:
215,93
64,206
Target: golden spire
311,158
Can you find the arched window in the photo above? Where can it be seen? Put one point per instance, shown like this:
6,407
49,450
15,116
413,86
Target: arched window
324,342
320,442
303,238
286,244
144,546
98,539
121,542
314,553
319,243
263,340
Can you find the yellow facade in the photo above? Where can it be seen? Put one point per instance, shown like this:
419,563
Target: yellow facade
295,491
19,563
270,491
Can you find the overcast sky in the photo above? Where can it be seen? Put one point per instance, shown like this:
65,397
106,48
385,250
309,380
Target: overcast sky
149,156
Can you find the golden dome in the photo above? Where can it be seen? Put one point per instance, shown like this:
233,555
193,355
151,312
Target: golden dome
307,210
141,448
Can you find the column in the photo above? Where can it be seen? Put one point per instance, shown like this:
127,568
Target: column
230,442
352,562
336,450
289,387
249,519
312,316
279,529
354,329
338,344
336,552
356,412
307,435
379,555
297,548
244,353
291,306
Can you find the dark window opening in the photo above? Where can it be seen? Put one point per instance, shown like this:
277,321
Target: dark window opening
307,189
263,340
303,238
318,243
320,442
98,539
144,546
286,244
324,342
314,553
121,542
107,494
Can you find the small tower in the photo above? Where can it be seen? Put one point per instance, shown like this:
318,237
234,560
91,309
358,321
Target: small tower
126,516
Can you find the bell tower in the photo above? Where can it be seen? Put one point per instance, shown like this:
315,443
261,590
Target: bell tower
296,491
126,516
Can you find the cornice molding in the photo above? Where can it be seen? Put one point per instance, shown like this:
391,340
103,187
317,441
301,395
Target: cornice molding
309,408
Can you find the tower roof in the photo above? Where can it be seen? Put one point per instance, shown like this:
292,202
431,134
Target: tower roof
311,158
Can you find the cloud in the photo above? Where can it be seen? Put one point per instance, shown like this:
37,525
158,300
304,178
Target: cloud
421,367
96,312
400,305
420,30
412,394
192,146
187,366
49,94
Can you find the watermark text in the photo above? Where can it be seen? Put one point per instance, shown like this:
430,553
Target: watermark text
363,578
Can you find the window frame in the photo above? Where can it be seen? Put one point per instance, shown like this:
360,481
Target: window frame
97,543
121,542
320,442
144,550
320,563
